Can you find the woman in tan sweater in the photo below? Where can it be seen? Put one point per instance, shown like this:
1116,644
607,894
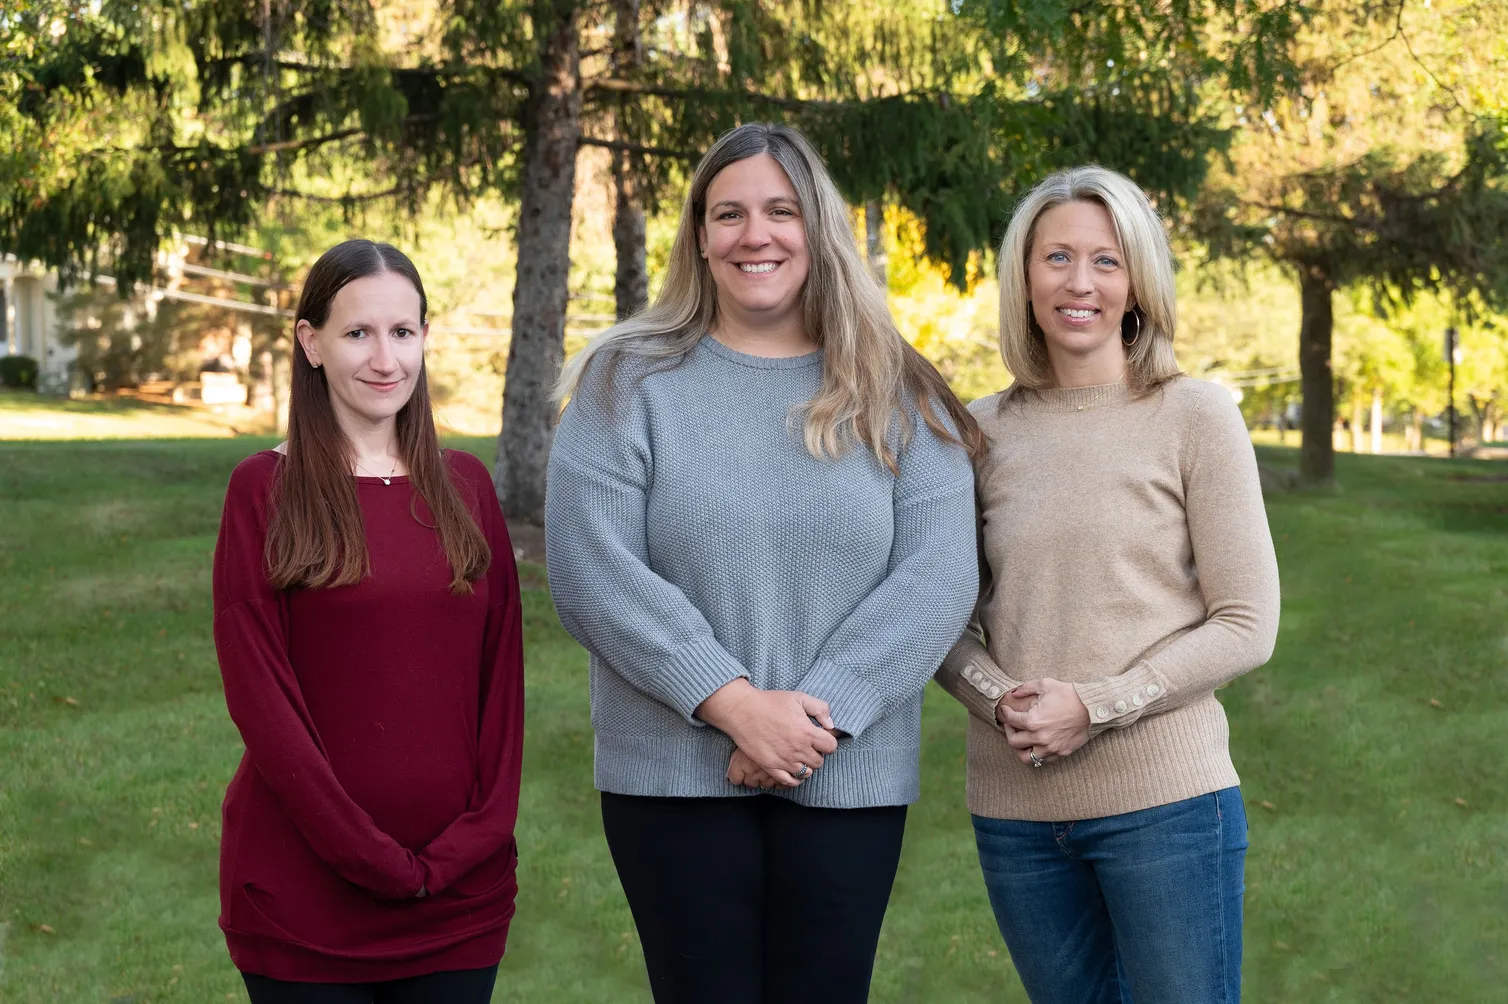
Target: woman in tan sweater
1130,573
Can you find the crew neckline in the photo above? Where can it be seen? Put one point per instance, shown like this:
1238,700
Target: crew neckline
360,479
1082,398
722,351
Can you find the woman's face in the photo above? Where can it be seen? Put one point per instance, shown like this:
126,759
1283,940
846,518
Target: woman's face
754,241
371,347
1077,281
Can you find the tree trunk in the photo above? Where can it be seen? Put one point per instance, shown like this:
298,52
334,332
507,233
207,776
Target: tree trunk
631,287
874,231
1316,382
553,131
1377,420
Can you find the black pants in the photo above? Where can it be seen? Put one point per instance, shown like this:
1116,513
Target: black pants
466,986
755,899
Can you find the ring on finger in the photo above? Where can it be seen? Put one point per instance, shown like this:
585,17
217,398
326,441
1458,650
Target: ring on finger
802,774
1036,760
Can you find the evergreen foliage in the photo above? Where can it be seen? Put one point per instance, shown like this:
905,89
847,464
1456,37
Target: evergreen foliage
128,121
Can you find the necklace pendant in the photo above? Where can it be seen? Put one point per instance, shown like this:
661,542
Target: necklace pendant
387,481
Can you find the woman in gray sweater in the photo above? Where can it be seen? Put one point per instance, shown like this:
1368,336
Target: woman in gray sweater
760,499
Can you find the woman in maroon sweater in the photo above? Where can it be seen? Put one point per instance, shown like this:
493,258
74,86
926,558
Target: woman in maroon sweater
367,623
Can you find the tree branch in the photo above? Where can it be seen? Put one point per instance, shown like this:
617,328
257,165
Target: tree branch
1397,31
314,141
614,85
1305,214
303,144
647,151
334,200
256,59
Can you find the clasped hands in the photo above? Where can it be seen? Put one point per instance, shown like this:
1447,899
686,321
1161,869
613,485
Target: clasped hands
1045,717
773,731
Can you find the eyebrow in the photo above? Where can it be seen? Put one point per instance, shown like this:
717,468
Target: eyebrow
1069,247
735,204
351,326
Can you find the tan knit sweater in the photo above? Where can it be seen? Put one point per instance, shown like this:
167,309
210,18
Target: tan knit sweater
1129,555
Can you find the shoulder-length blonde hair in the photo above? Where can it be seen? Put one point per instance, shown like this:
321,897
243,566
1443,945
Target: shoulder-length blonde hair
1149,262
868,369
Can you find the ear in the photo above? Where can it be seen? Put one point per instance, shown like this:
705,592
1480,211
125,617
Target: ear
701,239
305,333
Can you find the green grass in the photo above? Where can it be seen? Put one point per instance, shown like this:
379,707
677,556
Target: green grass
1368,881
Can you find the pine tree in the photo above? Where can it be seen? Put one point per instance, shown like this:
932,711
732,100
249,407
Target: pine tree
127,121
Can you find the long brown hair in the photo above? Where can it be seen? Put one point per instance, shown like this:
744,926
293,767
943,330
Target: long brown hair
868,368
315,537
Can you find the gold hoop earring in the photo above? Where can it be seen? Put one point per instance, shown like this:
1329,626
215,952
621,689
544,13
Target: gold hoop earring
1128,342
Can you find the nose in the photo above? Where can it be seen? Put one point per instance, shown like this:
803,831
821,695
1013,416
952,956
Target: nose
1081,279
756,233
384,359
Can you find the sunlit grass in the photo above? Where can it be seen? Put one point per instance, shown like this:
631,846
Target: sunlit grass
1371,751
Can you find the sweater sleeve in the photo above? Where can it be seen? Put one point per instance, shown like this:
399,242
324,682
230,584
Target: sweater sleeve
486,828
263,697
968,673
597,556
1238,578
886,650
974,679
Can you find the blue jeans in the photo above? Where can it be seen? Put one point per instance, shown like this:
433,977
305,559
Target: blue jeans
1143,906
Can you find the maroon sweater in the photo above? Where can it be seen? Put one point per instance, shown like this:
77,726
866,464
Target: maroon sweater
383,725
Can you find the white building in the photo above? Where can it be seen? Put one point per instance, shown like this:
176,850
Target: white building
29,322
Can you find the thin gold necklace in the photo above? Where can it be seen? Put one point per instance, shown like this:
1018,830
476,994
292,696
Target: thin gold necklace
385,480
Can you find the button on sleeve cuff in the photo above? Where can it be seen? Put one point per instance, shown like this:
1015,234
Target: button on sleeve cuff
971,676
1116,701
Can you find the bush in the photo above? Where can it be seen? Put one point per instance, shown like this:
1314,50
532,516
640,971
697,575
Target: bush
18,371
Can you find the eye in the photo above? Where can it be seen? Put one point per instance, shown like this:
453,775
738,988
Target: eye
1107,261
782,211
356,333
402,333
730,214
1057,257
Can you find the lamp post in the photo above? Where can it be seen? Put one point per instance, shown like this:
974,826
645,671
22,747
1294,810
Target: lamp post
1452,350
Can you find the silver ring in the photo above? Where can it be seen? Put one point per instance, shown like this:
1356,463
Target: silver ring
802,773
1036,760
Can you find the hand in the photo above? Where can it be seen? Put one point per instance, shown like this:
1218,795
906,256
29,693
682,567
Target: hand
742,770
773,727
1054,725
1013,702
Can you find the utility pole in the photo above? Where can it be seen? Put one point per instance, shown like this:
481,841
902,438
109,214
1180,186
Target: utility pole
1451,350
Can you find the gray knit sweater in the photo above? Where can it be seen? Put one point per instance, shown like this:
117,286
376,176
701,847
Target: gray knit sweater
692,539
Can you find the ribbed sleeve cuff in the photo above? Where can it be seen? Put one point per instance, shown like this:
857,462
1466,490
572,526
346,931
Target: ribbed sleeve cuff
974,680
853,701
1116,701
694,673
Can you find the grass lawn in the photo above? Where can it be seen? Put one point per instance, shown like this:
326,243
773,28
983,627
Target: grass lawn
1372,749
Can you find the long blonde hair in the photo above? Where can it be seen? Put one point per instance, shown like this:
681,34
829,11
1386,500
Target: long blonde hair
867,367
1149,264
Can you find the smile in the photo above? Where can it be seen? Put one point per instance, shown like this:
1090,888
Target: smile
758,268
382,386
1077,313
